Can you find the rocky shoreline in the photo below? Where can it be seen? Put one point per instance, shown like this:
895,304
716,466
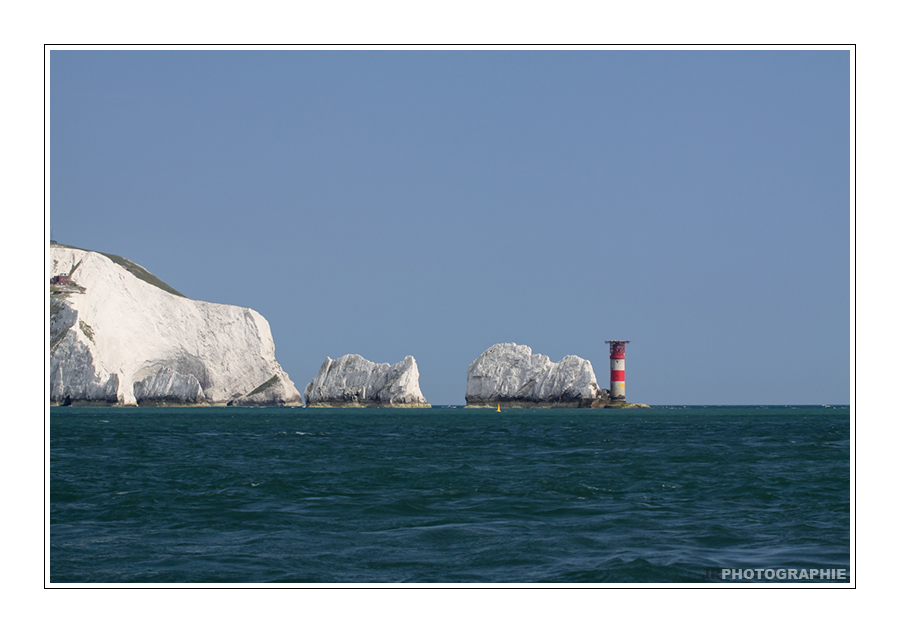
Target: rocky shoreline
511,373
121,337
522,404
353,381
341,404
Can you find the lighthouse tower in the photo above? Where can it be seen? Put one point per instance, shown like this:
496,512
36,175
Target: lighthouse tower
617,370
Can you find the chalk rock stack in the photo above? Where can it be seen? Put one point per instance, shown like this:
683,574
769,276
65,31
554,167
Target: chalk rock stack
120,336
509,375
353,381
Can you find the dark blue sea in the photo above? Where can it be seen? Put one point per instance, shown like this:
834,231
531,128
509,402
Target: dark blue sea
446,495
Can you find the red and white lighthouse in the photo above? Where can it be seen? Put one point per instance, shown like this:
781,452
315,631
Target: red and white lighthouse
617,370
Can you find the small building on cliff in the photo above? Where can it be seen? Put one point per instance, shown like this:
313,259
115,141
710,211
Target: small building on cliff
60,280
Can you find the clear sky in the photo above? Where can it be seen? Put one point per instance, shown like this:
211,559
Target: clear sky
433,203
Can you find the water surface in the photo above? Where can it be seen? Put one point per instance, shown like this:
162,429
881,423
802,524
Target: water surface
445,495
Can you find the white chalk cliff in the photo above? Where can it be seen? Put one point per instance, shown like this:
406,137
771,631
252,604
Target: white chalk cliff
353,381
510,374
116,338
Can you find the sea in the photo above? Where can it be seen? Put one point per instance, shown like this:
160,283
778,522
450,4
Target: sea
672,494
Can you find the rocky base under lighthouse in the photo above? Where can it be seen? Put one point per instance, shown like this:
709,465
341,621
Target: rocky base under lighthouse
607,404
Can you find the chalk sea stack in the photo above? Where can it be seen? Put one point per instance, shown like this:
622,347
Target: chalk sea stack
509,375
118,335
353,381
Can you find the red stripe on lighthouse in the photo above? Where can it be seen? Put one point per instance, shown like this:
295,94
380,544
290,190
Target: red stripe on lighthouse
617,375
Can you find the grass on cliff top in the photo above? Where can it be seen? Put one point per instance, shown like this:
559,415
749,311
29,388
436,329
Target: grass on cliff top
138,271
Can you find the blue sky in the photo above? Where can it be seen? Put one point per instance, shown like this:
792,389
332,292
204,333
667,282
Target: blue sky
434,203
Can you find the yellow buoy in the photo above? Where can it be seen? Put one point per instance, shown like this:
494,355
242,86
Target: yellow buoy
498,408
